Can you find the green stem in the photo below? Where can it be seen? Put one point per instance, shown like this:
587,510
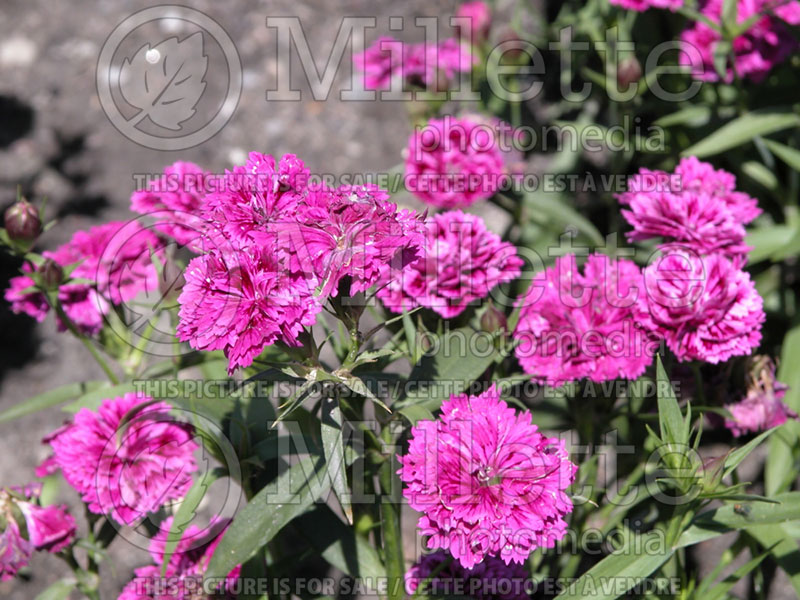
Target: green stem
391,526
88,343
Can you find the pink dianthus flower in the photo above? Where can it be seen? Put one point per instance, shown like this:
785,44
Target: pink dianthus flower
767,42
491,579
126,470
762,407
454,162
574,325
488,483
642,5
462,261
15,550
704,307
174,200
479,17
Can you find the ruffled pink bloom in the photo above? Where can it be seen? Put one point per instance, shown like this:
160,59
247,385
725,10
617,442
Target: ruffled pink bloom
763,407
696,206
15,551
488,580
574,325
642,5
454,162
242,303
462,262
704,307
184,573
126,470
352,232
116,257
480,19
50,528
766,43
174,201
487,481
419,64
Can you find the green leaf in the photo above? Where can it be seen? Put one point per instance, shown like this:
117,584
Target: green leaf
673,427
761,175
767,242
789,155
782,547
559,210
359,387
619,572
340,545
49,399
291,494
721,590
186,512
731,517
452,366
416,412
333,449
738,455
60,590
95,397
694,116
742,130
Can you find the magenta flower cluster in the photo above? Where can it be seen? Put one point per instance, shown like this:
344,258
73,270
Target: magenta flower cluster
422,64
114,265
488,580
277,248
767,41
47,528
461,262
183,575
127,459
455,162
642,5
487,481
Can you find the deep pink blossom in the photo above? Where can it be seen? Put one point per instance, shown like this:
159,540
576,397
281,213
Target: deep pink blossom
491,579
767,42
15,550
353,232
574,325
762,407
488,483
126,470
50,528
419,64
174,200
480,19
462,262
241,303
696,206
183,576
704,307
454,162
115,265
642,5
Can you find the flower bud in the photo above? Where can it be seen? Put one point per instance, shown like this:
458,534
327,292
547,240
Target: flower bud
171,281
493,320
22,222
712,472
629,72
51,273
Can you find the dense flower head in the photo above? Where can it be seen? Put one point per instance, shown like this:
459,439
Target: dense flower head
488,580
642,5
462,261
174,200
241,303
574,325
183,575
488,483
355,232
704,307
480,19
115,265
767,42
762,407
696,206
126,468
455,162
50,528
420,64
15,550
